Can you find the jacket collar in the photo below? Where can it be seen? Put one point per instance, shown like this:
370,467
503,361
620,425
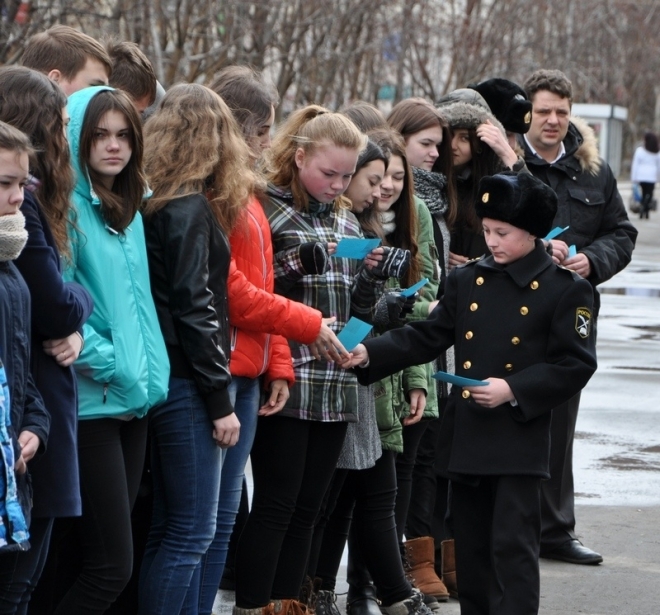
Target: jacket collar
315,208
582,154
523,271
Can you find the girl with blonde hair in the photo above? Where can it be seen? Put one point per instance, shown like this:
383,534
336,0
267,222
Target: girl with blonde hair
199,169
295,452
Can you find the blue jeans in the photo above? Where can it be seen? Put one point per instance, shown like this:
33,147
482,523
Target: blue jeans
186,464
244,394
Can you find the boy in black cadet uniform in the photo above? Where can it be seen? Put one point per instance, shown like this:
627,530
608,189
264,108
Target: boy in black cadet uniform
523,324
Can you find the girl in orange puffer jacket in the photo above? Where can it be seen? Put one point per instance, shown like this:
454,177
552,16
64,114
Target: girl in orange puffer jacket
260,321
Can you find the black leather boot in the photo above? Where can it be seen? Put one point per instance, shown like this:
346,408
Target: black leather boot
361,599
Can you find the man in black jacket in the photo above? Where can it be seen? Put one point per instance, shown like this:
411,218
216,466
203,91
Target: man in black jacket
562,151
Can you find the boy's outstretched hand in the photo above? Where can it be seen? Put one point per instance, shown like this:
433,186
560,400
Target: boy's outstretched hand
495,394
356,357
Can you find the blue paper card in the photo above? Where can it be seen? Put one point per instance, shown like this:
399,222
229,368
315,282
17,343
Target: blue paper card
459,380
555,232
353,333
572,251
355,248
410,291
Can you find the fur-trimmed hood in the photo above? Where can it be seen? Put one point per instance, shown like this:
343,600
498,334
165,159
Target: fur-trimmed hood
582,143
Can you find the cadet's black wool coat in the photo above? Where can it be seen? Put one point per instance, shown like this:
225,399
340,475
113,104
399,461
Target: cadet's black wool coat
528,322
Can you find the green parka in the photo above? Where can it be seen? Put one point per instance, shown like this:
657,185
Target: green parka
391,393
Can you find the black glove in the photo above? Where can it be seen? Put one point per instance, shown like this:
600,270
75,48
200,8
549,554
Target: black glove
408,305
395,263
314,257
389,309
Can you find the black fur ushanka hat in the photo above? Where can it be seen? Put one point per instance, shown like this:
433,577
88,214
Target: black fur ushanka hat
508,102
519,199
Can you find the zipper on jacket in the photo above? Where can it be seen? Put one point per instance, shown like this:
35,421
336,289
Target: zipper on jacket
264,273
105,392
233,339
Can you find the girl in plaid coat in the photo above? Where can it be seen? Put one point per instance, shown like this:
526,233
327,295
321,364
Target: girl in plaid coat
295,452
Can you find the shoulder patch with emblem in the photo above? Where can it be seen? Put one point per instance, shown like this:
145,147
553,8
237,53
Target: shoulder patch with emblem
583,321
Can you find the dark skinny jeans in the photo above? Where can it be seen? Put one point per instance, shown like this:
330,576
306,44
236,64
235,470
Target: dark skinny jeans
293,462
368,497
111,453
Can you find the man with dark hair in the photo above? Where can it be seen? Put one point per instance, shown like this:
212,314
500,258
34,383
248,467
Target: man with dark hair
562,151
70,58
132,72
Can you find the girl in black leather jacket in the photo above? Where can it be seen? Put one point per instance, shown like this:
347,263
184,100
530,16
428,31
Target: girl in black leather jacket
198,167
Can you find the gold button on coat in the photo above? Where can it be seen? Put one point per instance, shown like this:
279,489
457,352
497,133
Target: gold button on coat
469,335
508,367
534,285
465,394
474,307
515,341
524,310
467,365
480,281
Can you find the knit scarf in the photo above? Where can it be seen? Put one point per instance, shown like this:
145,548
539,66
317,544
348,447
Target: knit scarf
13,236
387,221
432,189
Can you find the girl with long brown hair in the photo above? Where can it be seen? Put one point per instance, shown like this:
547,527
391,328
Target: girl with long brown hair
200,171
122,370
35,105
479,149
428,152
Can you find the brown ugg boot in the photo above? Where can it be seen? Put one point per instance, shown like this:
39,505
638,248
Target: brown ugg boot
449,567
274,607
287,607
419,560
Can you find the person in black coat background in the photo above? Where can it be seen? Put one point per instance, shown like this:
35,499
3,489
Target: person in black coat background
523,324
34,104
29,425
562,151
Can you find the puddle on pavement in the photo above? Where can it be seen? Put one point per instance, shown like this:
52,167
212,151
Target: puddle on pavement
637,292
636,457
629,462
647,332
580,494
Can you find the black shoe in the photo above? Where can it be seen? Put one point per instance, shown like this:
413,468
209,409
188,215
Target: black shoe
362,601
573,552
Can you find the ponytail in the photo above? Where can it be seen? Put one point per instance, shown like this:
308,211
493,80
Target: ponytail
308,128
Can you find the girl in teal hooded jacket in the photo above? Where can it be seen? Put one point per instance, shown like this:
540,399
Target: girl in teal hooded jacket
123,369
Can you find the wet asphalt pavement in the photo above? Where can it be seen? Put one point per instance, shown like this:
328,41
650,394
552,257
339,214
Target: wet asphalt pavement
616,454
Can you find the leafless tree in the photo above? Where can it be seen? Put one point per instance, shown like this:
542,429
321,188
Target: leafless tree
338,51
